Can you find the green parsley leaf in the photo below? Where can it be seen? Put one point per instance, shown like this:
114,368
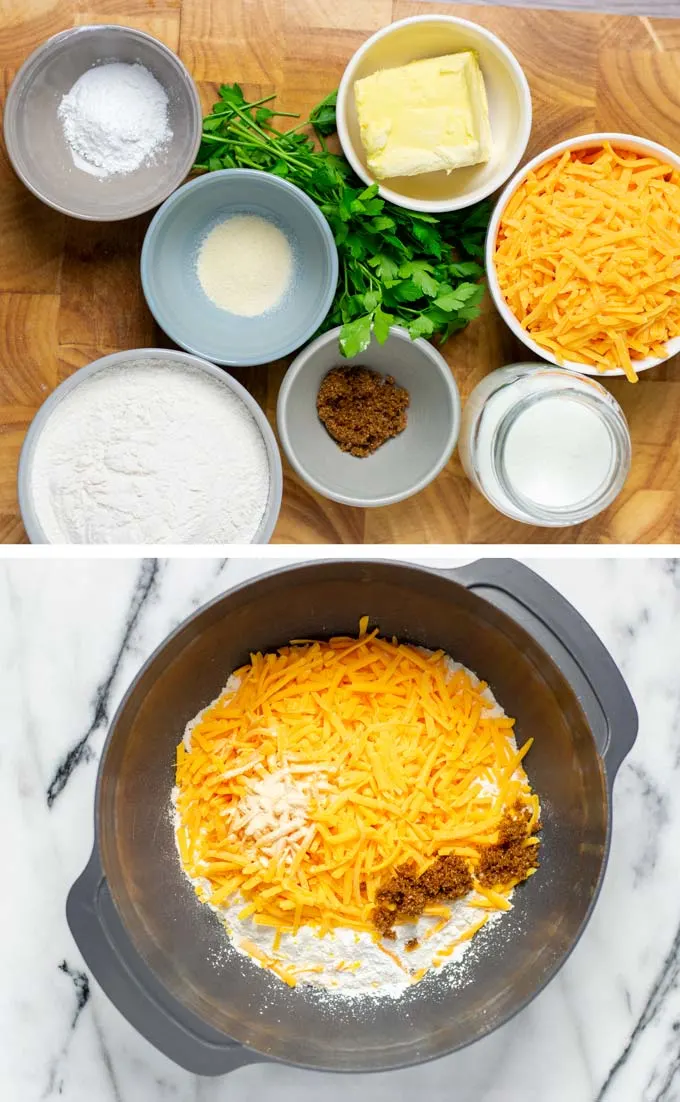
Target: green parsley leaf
232,94
381,325
322,117
407,290
355,336
371,299
421,327
419,271
386,268
466,269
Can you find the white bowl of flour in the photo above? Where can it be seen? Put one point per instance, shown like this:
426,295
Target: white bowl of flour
102,122
150,447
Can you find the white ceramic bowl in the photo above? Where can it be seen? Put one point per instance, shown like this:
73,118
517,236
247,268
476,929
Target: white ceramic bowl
509,109
623,141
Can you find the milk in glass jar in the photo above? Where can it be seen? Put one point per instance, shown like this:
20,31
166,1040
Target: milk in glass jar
544,445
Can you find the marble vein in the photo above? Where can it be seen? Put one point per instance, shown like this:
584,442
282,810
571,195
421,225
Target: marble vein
666,982
144,588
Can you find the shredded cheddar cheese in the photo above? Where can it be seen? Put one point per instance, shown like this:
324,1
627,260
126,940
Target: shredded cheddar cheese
588,257
331,764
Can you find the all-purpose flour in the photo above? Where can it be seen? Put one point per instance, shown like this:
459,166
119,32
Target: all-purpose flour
150,452
114,117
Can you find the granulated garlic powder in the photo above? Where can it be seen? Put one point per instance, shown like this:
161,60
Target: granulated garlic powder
245,265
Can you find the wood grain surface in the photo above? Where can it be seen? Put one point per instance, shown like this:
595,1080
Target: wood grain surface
70,290
669,9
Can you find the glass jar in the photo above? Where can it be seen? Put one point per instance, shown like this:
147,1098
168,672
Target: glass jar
544,445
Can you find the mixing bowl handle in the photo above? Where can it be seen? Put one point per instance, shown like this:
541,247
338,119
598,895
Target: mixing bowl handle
570,642
133,988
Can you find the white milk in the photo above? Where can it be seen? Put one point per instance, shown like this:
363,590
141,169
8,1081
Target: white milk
544,445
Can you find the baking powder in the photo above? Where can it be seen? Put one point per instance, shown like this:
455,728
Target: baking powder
245,265
150,452
114,118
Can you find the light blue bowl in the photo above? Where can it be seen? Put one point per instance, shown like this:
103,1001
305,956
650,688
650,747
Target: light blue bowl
171,285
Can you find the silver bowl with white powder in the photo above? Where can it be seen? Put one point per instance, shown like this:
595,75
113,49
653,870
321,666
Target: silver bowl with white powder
147,447
102,122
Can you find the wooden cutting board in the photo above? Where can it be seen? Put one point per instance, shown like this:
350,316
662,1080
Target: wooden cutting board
70,290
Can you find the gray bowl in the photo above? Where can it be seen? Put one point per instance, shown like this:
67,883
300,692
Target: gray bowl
174,293
29,516
404,465
35,141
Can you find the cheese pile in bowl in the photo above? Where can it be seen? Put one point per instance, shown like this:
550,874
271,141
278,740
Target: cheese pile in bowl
355,810
587,257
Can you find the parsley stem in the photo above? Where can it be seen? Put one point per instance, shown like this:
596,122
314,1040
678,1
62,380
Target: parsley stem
230,108
271,147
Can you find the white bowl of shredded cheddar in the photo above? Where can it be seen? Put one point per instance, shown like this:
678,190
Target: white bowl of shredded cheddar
581,254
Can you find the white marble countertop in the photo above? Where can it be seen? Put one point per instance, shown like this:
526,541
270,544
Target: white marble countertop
73,634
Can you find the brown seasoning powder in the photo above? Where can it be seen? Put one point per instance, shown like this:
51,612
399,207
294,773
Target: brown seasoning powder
361,409
511,859
405,895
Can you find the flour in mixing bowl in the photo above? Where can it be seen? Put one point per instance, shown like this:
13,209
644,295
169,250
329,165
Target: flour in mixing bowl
150,452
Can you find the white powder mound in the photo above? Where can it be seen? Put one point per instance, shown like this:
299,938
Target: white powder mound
150,453
245,265
349,963
115,117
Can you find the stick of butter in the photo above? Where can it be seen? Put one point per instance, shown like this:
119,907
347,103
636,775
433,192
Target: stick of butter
424,117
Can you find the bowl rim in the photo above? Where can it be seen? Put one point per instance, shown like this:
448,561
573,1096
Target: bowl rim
581,141
437,362
29,515
24,74
208,179
435,206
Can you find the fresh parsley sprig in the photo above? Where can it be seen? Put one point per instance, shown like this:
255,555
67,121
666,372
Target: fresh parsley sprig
397,267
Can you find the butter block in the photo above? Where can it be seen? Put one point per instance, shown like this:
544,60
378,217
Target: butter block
426,116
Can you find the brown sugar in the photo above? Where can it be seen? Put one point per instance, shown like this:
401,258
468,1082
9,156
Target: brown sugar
406,895
510,859
361,409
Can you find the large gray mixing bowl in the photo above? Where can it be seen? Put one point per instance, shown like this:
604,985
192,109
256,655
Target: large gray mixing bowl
162,956
35,140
